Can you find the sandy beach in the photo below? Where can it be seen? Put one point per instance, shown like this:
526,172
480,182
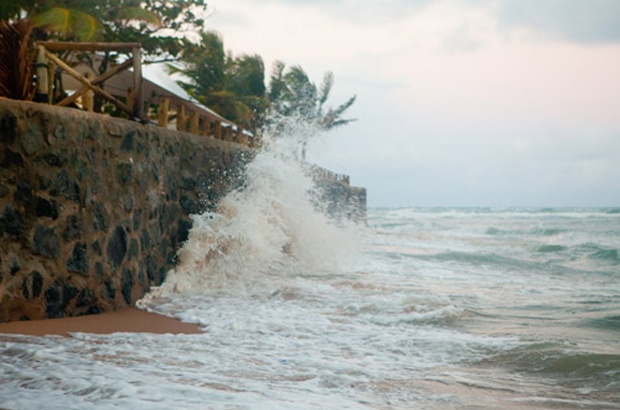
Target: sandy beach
124,320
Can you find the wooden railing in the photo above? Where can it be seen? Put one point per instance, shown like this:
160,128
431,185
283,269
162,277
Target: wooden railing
189,117
134,102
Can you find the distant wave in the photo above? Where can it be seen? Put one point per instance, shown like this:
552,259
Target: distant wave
606,323
551,248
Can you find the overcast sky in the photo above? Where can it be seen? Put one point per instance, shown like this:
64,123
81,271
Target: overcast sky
459,102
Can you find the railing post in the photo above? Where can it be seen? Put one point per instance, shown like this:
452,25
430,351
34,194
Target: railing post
181,118
88,97
193,123
131,99
162,112
51,72
137,83
206,128
218,130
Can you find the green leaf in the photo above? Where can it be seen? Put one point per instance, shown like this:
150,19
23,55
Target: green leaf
67,22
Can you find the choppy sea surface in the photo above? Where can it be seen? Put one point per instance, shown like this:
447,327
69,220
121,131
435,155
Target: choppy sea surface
420,309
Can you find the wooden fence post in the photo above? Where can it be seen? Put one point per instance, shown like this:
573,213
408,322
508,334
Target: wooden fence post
206,128
181,118
131,99
218,130
137,83
51,72
88,97
162,112
193,123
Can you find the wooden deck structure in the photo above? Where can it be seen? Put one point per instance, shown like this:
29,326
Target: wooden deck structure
130,92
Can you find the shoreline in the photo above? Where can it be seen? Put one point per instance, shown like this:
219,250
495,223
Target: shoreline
130,320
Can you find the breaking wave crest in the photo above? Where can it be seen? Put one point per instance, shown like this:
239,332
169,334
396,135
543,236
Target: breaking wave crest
266,229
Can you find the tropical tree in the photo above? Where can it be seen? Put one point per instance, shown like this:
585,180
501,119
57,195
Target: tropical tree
234,87
292,94
298,106
160,25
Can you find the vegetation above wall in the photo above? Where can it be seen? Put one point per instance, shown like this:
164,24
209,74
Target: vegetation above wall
233,86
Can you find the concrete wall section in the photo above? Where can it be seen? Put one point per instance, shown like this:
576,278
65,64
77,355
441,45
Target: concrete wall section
93,208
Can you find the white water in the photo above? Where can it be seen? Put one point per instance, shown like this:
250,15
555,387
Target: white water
430,309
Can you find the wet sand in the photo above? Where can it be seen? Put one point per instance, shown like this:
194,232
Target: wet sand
124,320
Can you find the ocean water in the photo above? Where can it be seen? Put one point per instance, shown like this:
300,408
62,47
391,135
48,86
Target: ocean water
418,309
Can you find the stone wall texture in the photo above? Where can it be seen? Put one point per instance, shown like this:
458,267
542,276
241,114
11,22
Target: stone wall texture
93,208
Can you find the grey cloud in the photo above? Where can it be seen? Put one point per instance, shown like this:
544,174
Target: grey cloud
581,21
364,11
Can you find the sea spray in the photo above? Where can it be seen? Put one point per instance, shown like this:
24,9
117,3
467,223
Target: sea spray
269,229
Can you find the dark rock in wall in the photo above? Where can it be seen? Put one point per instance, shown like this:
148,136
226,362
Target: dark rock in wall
128,141
127,286
124,173
11,159
37,283
128,202
78,262
137,219
183,230
48,208
134,249
57,298
11,221
96,247
46,242
65,187
189,205
8,127
44,182
117,247
32,285
145,240
73,228
23,193
32,140
109,291
100,217
55,159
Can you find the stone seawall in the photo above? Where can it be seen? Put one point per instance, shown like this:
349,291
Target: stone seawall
93,208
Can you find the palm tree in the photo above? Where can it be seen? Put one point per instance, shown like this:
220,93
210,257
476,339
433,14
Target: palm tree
231,86
292,94
295,99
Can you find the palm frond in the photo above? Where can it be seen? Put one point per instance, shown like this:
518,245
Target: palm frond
69,22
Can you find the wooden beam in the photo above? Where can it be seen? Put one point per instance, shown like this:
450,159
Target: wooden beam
87,83
77,46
